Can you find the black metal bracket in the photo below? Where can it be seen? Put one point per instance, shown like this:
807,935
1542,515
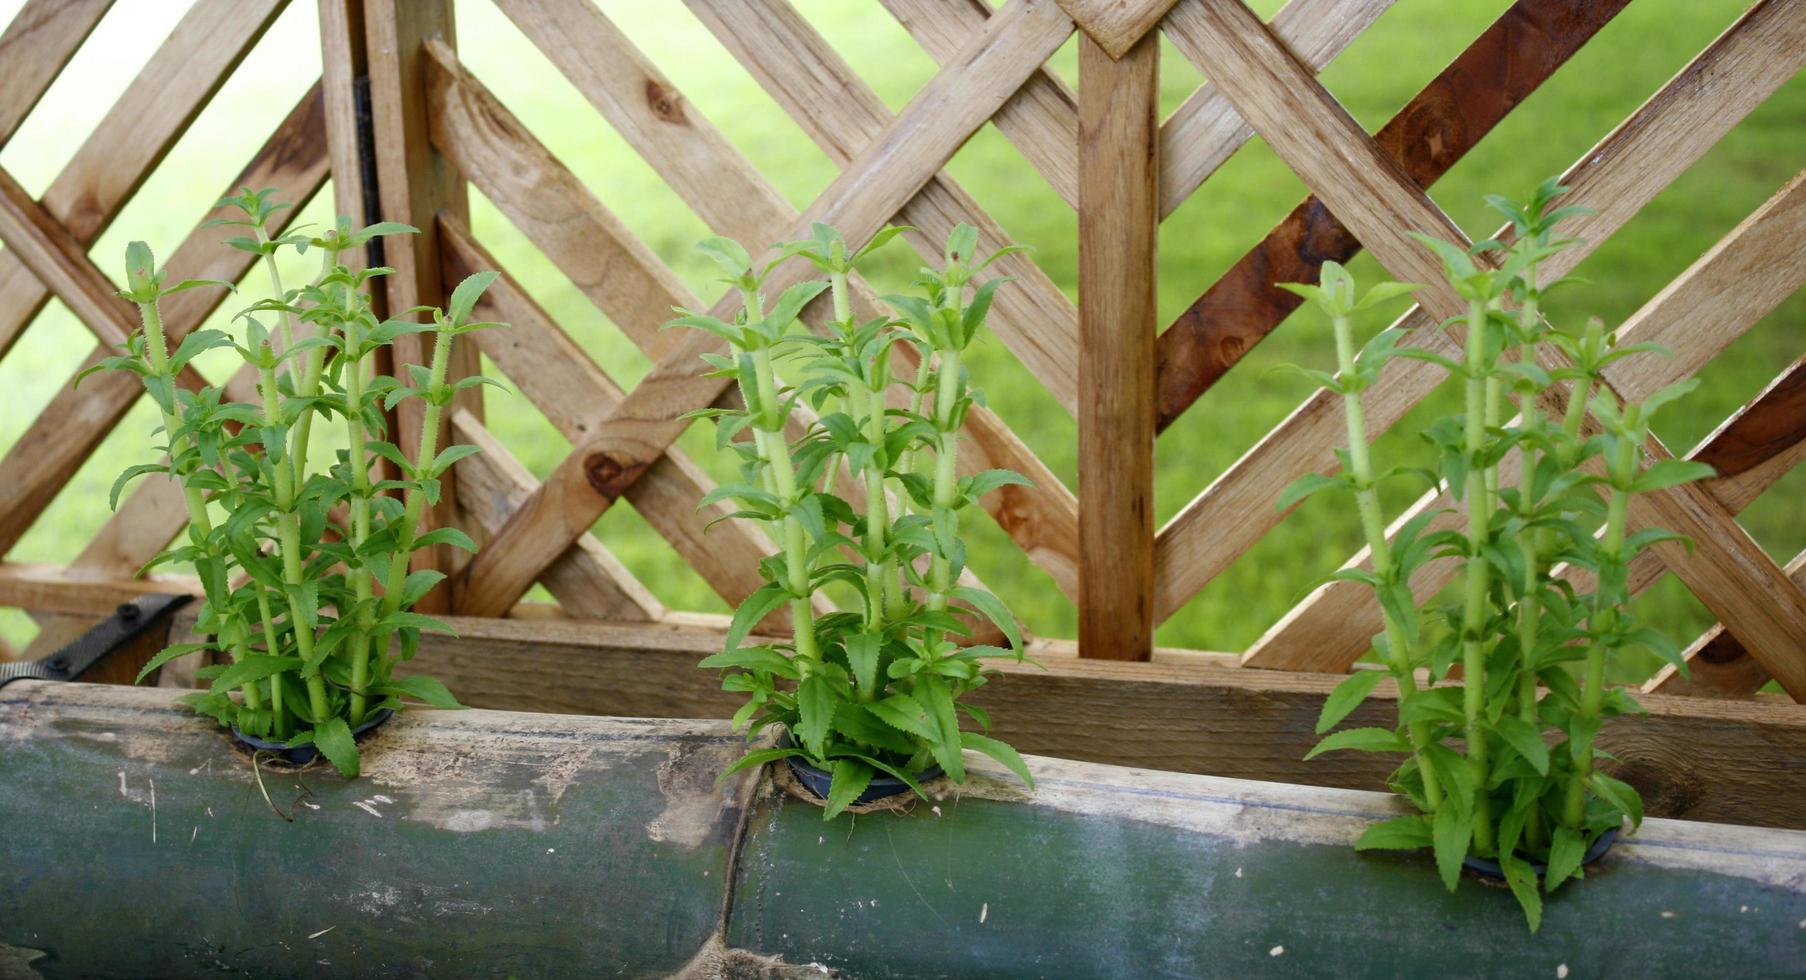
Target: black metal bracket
108,636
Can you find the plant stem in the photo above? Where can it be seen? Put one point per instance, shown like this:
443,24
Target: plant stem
1529,608
1373,526
356,454
395,586
1622,468
156,352
906,464
288,537
946,461
1474,608
774,449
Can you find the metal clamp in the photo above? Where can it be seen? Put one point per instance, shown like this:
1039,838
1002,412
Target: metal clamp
116,632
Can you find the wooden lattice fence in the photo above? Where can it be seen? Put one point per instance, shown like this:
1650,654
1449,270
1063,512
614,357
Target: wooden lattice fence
402,128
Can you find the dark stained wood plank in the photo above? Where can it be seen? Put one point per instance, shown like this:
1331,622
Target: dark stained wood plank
1503,66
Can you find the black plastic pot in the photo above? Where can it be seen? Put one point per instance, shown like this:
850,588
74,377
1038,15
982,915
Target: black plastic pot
303,754
882,786
1490,868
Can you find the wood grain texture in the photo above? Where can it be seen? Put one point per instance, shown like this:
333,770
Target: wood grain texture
37,43
1719,665
574,393
50,451
413,185
128,143
1119,227
1206,130
1724,293
1116,25
1615,179
587,580
1741,762
872,189
342,62
1472,95
1041,119
825,97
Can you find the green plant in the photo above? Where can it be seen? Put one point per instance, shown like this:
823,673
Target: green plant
877,688
1529,490
291,556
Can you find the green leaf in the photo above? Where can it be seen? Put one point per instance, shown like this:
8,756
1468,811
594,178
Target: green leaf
253,668
1347,696
464,298
1527,740
445,535
421,688
905,714
414,620
994,610
1450,832
131,473
1670,473
167,654
850,779
728,254
1565,852
815,702
756,758
1305,486
1397,834
1621,795
1522,879
1361,740
333,739
1000,751
933,694
754,609
862,656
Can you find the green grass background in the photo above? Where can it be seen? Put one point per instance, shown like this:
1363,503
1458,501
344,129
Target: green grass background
1630,59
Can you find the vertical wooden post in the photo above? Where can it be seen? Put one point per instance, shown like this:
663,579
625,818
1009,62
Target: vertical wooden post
414,185
1119,220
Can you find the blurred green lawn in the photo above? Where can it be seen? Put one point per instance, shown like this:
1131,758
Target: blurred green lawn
1629,60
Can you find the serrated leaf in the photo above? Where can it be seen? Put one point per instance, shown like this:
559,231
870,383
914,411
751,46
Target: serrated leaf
1305,486
905,714
1347,696
994,610
1527,740
1565,852
753,610
815,703
1005,754
1621,795
421,688
1450,832
1360,740
333,739
1397,834
850,778
862,657
1522,880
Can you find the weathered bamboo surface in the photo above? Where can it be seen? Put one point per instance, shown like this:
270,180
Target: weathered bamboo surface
487,843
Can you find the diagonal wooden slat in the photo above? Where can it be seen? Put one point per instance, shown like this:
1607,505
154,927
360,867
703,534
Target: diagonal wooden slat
574,393
517,174
206,45
1119,230
872,189
1116,25
1206,130
587,580
1504,65
1720,666
830,102
59,440
1041,119
1720,296
1615,179
1728,571
37,43
1034,319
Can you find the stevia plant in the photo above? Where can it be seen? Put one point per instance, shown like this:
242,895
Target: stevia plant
1529,491
876,688
305,569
